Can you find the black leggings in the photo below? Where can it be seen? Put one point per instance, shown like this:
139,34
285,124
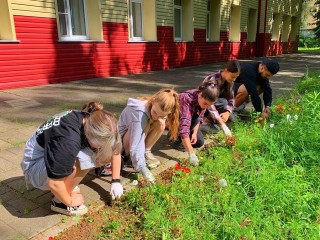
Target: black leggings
200,139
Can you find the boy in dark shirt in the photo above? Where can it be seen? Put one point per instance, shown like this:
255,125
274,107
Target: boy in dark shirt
253,80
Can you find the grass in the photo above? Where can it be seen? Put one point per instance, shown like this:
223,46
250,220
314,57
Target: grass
272,186
309,50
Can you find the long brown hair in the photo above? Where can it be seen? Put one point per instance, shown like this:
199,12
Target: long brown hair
168,101
232,66
100,128
209,90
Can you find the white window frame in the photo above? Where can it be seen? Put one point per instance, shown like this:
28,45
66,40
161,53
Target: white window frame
179,7
208,19
68,26
135,38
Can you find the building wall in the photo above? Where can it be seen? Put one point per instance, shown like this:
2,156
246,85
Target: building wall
40,58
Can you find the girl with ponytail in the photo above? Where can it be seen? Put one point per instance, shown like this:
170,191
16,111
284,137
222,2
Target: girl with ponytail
64,148
142,123
193,104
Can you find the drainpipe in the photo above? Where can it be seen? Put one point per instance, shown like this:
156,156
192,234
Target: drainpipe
265,17
260,41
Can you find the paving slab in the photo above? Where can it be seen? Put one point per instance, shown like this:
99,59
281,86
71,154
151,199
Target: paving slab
26,214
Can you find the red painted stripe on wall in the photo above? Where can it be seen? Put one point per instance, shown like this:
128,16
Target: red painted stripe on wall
40,58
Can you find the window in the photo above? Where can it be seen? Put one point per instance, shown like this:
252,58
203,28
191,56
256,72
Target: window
213,20
72,19
7,29
177,20
142,20
275,27
235,23
136,19
208,20
183,20
252,25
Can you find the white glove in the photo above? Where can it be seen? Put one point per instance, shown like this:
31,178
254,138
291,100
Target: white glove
147,175
193,159
116,190
226,130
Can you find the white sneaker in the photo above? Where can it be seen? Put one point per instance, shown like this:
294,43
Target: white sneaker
71,211
151,160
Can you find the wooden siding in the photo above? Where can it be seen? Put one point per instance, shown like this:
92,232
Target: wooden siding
34,8
114,11
225,15
40,58
164,12
284,7
44,60
200,13
245,7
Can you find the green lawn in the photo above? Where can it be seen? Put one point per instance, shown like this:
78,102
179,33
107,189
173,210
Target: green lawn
264,187
309,50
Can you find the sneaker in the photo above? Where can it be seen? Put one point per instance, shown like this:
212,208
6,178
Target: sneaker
151,160
240,108
209,128
76,189
104,170
70,211
177,145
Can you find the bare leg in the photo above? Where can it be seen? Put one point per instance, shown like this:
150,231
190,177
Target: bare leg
242,96
75,178
126,144
155,131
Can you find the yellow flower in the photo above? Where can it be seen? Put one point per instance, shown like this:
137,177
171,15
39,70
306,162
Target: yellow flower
298,108
167,196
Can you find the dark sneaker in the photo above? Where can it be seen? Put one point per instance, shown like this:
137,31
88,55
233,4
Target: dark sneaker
70,211
177,145
104,171
209,128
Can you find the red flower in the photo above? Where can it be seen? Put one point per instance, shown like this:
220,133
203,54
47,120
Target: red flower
52,238
280,108
183,169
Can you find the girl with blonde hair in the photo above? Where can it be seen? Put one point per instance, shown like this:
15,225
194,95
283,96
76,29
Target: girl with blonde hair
142,123
64,148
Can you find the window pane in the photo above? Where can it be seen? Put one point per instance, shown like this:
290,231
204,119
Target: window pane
77,17
208,5
61,6
177,23
63,24
137,19
208,25
177,2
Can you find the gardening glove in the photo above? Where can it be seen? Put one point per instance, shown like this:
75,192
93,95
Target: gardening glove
193,159
116,190
147,175
226,130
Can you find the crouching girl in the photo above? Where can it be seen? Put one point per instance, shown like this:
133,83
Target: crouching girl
142,123
63,149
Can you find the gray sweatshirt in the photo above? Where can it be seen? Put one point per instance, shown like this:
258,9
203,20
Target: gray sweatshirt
134,119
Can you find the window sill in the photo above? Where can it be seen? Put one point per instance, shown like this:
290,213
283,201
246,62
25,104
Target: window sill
80,41
235,41
213,41
143,41
183,41
9,41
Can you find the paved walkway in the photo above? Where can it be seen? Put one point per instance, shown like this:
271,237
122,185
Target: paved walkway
26,214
